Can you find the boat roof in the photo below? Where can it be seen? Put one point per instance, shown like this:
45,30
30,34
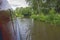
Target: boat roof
4,5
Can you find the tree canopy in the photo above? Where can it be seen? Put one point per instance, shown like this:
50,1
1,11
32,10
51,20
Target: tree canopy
37,5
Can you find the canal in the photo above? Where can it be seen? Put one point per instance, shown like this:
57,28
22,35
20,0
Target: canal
28,29
17,29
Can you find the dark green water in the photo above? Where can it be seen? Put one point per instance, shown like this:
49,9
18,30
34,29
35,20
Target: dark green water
45,31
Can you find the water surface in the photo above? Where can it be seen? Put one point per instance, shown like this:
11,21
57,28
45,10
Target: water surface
28,29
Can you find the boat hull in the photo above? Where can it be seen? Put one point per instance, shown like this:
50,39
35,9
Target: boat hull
4,19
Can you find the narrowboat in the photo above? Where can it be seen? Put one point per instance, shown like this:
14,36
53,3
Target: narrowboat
5,29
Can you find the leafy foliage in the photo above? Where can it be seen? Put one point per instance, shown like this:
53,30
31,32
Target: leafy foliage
21,12
43,10
44,4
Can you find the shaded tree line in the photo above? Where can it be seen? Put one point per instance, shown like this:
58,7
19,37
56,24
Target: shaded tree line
40,5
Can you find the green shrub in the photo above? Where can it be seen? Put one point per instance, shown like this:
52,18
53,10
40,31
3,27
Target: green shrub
51,16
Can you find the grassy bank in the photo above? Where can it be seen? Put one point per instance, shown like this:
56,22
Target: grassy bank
51,16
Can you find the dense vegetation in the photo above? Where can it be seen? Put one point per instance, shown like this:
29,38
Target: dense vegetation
43,10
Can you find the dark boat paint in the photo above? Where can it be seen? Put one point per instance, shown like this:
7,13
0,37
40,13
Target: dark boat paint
1,38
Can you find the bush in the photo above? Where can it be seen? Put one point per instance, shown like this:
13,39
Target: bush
50,17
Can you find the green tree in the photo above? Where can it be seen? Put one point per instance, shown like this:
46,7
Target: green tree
37,5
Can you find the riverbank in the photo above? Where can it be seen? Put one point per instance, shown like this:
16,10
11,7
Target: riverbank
51,17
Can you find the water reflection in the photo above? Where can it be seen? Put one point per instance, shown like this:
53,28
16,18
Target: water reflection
26,29
22,27
45,31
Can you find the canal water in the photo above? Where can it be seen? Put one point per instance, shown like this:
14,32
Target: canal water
19,29
28,29
23,28
45,31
